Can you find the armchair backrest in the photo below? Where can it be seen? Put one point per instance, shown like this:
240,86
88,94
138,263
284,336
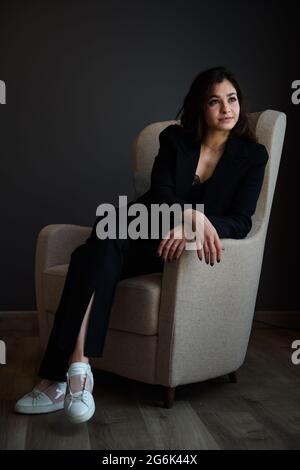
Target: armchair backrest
269,127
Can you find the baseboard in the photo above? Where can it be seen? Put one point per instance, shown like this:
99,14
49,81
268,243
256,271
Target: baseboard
279,318
25,323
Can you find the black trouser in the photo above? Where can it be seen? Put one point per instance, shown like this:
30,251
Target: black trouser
96,266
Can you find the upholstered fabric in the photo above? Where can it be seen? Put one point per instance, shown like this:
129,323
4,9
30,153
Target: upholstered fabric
136,303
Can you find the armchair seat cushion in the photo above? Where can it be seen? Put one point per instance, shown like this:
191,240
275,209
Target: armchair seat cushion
136,303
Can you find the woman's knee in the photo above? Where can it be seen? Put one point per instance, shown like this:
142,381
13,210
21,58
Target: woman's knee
79,249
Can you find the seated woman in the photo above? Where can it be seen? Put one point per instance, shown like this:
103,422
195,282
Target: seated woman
211,158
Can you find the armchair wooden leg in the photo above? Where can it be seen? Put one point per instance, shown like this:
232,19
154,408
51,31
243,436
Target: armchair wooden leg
169,394
232,377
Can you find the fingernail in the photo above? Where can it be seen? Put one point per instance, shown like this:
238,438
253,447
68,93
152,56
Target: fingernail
211,264
218,261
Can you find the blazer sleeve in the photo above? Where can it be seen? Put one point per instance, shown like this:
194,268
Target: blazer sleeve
238,222
163,173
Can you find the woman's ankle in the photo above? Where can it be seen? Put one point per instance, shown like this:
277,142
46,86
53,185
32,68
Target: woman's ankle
43,384
78,358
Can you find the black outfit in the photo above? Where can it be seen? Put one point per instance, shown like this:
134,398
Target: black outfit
229,197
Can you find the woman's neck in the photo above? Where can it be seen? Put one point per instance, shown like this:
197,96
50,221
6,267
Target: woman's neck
215,141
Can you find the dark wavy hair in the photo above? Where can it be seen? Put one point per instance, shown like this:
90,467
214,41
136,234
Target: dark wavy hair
193,124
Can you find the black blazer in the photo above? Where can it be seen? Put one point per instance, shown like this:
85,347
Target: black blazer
231,194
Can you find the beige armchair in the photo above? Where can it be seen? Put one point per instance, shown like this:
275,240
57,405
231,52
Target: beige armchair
191,322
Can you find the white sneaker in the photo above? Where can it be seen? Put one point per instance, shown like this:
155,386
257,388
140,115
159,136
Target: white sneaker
79,402
50,398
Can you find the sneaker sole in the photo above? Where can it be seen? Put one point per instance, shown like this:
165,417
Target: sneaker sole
82,418
28,410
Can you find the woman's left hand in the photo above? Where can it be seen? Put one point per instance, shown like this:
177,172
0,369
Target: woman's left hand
173,245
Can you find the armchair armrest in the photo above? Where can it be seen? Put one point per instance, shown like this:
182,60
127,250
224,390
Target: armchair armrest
55,244
206,312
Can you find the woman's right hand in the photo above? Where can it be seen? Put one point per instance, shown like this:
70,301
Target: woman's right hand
212,245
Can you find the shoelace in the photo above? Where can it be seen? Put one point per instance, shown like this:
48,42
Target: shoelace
36,394
82,395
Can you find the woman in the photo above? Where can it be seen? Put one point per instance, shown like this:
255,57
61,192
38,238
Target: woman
211,158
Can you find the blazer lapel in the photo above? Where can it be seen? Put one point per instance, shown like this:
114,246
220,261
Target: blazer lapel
187,161
186,164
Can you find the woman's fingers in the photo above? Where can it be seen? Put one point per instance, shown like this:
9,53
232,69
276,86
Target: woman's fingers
206,251
168,246
163,244
200,254
219,248
213,244
212,252
172,246
199,247
179,249
170,249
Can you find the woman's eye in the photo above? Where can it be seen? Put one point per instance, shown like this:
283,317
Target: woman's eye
213,102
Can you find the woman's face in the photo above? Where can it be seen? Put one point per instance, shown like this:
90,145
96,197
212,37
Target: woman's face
222,108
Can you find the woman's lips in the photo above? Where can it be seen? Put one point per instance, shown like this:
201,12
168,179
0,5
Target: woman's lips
226,119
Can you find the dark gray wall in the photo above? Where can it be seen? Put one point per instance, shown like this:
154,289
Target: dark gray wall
83,78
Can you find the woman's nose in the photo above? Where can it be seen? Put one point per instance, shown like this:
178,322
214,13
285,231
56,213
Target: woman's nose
225,107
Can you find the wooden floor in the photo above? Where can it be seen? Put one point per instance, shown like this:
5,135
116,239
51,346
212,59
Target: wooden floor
261,411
